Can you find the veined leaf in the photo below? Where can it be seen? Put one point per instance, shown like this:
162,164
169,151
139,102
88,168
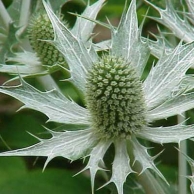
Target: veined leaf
167,74
77,56
52,103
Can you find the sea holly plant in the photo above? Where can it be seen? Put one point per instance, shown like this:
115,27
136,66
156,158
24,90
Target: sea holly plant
34,55
179,22
119,106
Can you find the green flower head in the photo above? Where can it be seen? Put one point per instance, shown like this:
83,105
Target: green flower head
120,105
39,31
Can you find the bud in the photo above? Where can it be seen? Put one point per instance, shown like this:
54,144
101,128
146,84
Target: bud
40,29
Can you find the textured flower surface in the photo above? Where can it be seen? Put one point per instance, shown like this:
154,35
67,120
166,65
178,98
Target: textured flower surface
39,57
120,106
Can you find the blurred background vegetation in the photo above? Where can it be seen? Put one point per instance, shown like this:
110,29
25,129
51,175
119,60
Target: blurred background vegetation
24,175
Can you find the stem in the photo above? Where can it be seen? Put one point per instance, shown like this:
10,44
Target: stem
4,15
48,83
182,171
150,183
25,11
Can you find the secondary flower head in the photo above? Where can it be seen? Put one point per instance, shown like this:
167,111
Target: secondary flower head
120,106
40,29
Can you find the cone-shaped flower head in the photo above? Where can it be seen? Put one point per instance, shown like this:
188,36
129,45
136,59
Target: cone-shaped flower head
40,30
120,106
115,98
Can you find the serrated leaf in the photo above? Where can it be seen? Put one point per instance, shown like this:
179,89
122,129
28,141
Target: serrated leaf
95,162
127,32
26,63
52,103
126,40
69,144
158,47
170,19
77,56
83,28
171,134
167,74
121,166
174,106
141,154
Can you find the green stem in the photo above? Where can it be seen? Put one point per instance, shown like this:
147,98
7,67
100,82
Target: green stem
150,183
182,186
48,83
25,12
4,15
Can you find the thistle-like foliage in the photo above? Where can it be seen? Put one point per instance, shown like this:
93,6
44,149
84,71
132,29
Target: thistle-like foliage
40,32
180,23
120,106
182,28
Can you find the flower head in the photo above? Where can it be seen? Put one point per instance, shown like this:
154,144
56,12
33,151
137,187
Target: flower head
39,31
120,106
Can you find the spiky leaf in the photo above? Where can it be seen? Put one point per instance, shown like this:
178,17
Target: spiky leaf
52,103
77,56
167,74
170,134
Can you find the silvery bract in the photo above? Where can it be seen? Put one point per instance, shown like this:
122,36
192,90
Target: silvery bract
120,106
179,22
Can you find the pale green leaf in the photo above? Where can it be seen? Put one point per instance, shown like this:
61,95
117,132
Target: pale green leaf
95,162
52,103
173,106
25,57
14,10
141,154
158,47
121,166
69,144
126,41
171,19
126,33
25,63
171,134
9,39
77,56
167,74
83,28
